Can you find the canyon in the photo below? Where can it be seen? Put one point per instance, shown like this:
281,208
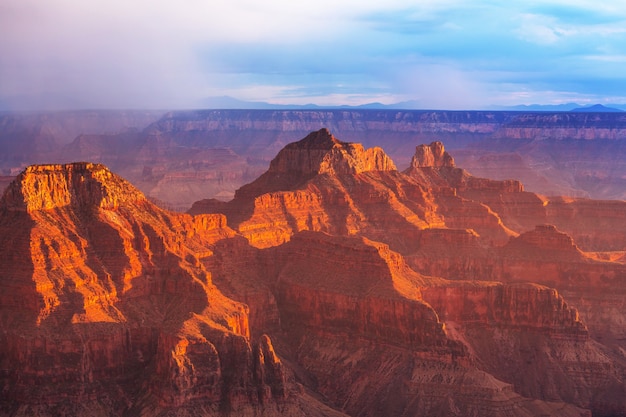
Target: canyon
177,158
333,283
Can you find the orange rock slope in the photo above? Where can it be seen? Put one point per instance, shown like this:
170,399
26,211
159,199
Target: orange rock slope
323,184
332,285
107,309
379,339
451,224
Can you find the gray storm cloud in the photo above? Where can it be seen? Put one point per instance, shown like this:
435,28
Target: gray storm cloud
72,54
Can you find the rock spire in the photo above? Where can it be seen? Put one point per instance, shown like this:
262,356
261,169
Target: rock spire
432,156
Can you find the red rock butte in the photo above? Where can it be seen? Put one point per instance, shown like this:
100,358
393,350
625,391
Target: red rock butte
332,285
44,187
320,152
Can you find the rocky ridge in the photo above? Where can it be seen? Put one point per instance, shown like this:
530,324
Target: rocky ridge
332,284
459,203
108,309
186,156
372,199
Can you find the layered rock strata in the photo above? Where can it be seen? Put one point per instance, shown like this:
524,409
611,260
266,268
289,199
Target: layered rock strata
305,305
211,153
470,240
363,325
105,304
323,184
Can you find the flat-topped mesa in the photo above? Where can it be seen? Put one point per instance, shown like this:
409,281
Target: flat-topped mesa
321,153
80,184
544,243
548,237
432,156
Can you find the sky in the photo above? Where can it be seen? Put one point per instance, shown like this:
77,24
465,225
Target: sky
439,54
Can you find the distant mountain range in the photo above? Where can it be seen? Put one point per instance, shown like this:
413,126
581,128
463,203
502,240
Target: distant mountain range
598,108
565,107
226,102
55,103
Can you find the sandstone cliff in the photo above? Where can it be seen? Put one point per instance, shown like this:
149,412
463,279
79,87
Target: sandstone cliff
545,255
107,309
323,184
341,286
340,298
470,240
573,154
596,225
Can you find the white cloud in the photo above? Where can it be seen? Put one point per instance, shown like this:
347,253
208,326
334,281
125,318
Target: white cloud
548,30
167,53
539,29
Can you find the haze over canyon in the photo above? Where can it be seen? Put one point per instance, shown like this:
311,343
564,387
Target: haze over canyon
182,157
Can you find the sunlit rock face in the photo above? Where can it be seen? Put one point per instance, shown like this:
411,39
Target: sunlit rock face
82,185
332,285
360,320
431,156
102,292
322,184
469,240
321,153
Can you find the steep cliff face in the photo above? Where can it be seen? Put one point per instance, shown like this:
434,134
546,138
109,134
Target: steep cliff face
595,225
552,153
321,153
544,255
482,204
431,156
323,298
526,334
333,290
323,184
433,165
453,188
340,298
565,125
573,154
103,291
371,292
83,185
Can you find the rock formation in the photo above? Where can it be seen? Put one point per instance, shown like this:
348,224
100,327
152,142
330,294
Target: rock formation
452,248
331,285
186,156
106,307
341,188
377,338
432,156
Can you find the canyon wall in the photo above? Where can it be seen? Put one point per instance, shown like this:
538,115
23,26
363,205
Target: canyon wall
331,284
105,302
340,298
187,156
